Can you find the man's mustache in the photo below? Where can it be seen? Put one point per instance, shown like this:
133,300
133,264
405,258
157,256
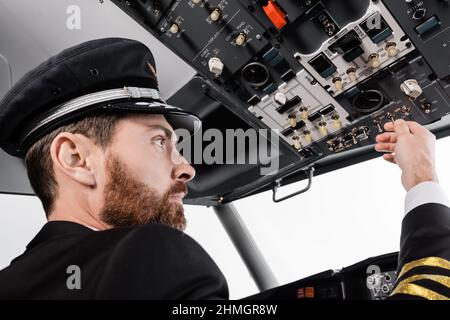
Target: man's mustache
178,188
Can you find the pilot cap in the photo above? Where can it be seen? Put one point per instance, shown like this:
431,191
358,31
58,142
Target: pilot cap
99,76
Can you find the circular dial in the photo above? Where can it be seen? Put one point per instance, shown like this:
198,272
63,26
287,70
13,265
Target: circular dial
368,101
256,74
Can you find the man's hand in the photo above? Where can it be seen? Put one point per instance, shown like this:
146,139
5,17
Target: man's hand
411,147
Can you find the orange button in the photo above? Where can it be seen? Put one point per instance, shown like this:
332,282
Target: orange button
309,292
275,14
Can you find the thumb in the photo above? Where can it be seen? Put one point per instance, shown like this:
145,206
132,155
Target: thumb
414,127
401,127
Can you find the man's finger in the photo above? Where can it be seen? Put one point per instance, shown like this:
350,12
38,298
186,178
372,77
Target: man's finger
386,137
389,157
401,127
385,147
389,126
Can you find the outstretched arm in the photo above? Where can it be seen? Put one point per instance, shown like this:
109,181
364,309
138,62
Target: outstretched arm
424,260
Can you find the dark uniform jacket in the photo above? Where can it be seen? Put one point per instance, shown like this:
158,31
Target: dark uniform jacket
70,261
424,259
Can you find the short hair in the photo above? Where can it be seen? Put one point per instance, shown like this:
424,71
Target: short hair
98,127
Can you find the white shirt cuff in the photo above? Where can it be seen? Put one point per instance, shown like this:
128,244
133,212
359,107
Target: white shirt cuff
423,193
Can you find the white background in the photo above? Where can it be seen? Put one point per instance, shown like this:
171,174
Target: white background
347,216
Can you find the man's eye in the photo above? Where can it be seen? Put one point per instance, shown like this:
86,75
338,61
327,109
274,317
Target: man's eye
161,142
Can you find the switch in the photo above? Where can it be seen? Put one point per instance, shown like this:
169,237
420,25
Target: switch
323,128
411,88
216,66
376,28
315,116
275,14
378,125
406,110
215,14
323,66
426,107
297,142
391,49
287,132
338,83
391,117
429,25
349,46
304,113
280,98
352,74
327,110
293,120
336,121
308,136
289,104
174,28
374,60
241,39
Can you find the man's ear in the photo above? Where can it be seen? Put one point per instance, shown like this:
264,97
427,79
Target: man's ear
73,155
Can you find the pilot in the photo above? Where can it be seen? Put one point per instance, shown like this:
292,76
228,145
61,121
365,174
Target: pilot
99,145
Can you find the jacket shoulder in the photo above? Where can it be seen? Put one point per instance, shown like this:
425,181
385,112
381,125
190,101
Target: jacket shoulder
159,262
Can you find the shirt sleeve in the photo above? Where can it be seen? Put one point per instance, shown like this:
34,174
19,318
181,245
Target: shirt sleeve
423,193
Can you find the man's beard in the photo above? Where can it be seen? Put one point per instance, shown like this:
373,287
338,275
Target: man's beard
129,202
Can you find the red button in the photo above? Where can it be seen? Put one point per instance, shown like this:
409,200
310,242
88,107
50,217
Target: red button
275,14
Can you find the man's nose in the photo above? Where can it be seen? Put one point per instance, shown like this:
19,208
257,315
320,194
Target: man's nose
183,171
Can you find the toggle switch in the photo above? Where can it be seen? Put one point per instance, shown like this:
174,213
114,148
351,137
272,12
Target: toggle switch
338,83
307,136
406,110
374,60
293,120
391,49
378,125
323,128
241,39
216,66
336,121
352,74
174,28
304,113
391,117
297,142
215,14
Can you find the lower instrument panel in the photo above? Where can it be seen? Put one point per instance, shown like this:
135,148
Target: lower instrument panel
371,279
